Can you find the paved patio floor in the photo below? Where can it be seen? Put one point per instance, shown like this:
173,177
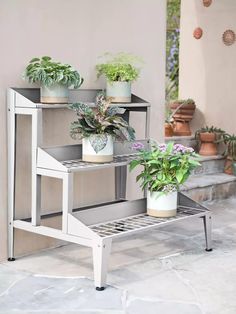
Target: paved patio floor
166,271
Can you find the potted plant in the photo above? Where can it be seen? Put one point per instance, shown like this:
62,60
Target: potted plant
98,127
183,111
120,70
54,78
230,153
207,138
164,168
169,120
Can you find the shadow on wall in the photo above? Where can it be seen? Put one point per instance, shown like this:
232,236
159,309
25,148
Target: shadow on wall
198,120
208,67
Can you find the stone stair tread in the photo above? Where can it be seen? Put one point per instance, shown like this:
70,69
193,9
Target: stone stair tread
204,180
179,138
207,158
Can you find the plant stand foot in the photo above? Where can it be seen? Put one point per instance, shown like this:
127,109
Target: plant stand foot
101,252
207,229
11,259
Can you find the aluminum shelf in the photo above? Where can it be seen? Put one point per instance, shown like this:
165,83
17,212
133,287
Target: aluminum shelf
30,98
131,224
63,158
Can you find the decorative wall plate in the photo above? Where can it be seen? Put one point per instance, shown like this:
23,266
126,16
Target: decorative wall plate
207,3
229,37
197,33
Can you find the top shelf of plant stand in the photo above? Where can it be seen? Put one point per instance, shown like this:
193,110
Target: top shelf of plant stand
30,98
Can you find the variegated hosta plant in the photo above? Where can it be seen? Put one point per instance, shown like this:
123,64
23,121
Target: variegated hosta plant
96,123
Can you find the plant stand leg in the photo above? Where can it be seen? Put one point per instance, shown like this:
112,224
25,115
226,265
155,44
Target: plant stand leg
120,182
11,242
67,199
36,180
12,125
207,228
101,253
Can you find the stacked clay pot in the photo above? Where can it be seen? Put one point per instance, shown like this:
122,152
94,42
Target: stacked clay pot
182,118
228,168
169,130
208,146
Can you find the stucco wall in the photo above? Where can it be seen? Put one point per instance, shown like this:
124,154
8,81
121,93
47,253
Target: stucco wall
73,31
207,66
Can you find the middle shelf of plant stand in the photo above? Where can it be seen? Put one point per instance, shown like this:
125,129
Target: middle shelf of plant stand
69,158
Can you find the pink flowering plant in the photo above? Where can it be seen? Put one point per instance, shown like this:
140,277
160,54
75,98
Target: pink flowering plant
165,166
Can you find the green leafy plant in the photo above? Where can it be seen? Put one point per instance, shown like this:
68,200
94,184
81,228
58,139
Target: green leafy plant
48,72
165,166
120,67
184,101
99,122
172,49
219,132
230,142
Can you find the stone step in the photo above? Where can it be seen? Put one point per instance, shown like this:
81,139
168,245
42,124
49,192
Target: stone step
210,165
188,141
209,187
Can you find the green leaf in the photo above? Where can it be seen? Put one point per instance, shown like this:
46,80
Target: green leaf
34,60
98,141
114,110
46,58
133,164
169,148
179,176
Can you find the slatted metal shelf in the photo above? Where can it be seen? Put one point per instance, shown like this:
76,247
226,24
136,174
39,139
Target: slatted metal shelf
78,164
69,158
143,222
30,98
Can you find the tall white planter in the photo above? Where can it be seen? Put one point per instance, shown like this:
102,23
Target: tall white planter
161,205
104,155
119,91
55,94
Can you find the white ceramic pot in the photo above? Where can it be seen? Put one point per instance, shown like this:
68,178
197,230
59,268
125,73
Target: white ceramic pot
162,205
119,91
104,155
55,94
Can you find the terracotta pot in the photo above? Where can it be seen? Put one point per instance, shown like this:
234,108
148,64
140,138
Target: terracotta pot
169,130
181,128
228,166
182,118
208,146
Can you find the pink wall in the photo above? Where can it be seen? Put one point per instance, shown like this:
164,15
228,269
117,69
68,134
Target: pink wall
74,31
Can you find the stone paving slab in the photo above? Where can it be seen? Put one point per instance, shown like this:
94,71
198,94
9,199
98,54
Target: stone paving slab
155,307
32,293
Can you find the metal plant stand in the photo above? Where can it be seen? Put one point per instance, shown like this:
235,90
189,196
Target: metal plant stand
92,226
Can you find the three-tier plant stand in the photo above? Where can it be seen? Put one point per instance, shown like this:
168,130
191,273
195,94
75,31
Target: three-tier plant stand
92,226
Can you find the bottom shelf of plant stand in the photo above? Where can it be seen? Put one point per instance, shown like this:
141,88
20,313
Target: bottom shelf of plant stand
95,227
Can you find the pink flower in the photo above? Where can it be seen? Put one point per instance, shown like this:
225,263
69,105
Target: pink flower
162,147
137,146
